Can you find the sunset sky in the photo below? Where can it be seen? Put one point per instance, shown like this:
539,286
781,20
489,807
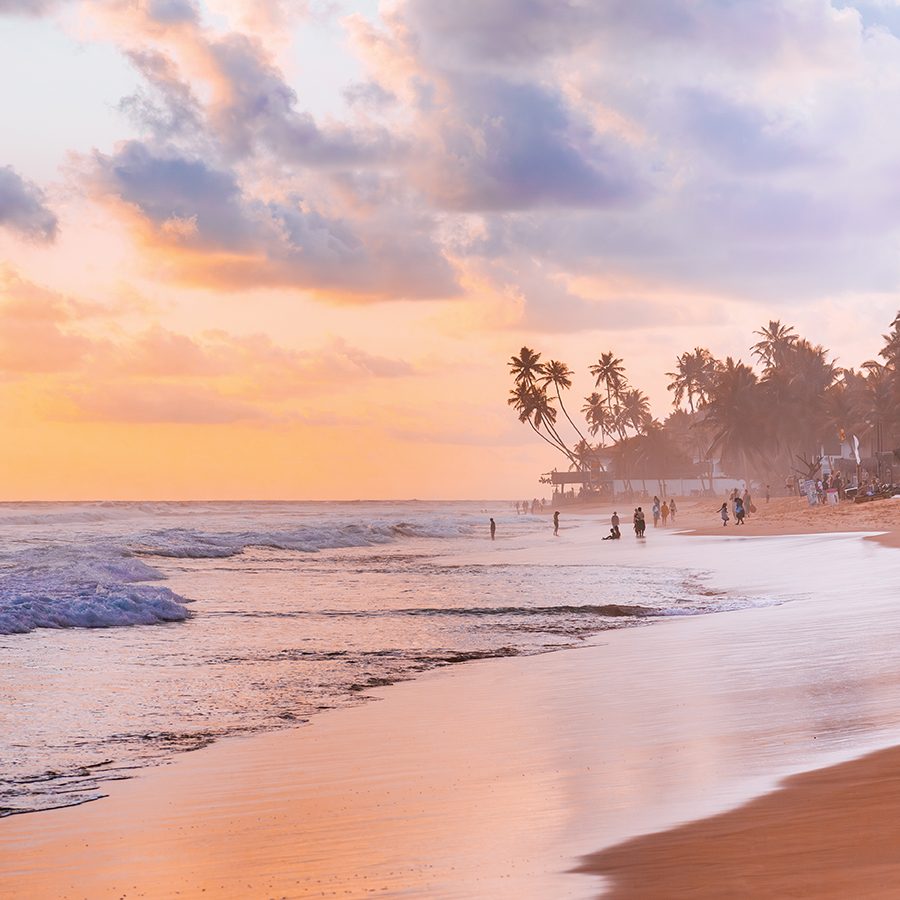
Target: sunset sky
274,249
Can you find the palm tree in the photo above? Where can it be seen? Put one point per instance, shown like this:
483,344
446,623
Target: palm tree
609,371
736,414
636,410
526,367
535,409
693,377
599,416
775,339
560,376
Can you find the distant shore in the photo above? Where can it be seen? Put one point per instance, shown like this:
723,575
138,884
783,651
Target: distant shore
793,515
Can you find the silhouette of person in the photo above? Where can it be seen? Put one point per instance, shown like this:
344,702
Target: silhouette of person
556,524
493,528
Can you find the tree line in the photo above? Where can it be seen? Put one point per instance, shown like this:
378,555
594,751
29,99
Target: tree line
762,419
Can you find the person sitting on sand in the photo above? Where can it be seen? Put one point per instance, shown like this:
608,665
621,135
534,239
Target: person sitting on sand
664,511
614,521
723,512
613,535
739,511
556,524
672,510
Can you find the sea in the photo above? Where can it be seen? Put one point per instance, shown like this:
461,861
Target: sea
131,632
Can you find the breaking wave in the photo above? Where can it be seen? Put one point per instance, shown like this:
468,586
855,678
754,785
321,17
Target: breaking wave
100,583
58,587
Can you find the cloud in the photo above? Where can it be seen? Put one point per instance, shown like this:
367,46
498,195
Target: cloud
160,403
23,209
216,234
35,329
28,7
503,145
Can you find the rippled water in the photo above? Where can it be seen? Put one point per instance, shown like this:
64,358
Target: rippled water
132,631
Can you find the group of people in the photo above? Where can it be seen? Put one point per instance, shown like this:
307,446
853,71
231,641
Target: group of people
664,511
741,506
638,519
534,506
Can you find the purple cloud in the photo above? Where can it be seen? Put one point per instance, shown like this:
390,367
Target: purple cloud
514,146
193,205
23,209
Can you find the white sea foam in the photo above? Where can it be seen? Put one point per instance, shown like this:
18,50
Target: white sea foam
96,587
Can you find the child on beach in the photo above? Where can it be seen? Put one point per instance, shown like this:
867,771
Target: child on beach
739,511
723,512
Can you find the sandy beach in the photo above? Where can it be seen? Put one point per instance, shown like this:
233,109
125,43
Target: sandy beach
618,767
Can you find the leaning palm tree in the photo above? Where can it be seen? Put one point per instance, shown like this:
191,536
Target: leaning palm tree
527,367
536,410
560,376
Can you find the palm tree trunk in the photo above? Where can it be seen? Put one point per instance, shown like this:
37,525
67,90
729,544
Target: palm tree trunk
562,406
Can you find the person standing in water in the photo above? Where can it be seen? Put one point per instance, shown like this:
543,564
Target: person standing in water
493,529
556,524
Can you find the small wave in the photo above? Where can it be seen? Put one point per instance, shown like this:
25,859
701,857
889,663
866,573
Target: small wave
610,610
183,543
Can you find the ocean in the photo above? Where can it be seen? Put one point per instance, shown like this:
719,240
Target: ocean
130,632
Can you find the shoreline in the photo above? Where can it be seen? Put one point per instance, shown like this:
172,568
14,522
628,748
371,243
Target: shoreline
825,832
426,810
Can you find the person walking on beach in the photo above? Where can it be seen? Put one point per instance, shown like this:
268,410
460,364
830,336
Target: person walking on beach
640,523
723,512
655,511
748,502
556,524
493,529
739,511
672,509
768,493
664,512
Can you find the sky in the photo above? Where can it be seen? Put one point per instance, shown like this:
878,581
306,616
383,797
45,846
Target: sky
275,249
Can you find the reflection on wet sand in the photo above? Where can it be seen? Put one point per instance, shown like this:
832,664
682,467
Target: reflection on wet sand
496,778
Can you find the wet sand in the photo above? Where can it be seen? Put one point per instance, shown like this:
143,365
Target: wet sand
500,778
828,834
